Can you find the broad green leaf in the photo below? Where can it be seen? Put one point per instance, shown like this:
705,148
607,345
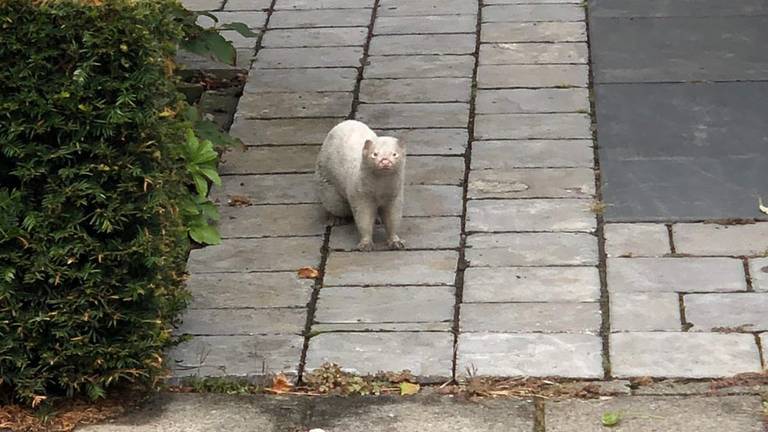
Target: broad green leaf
205,234
208,130
191,114
201,185
212,175
240,28
210,211
209,15
407,388
610,418
220,48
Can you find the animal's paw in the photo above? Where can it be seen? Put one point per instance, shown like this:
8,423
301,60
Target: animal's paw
396,244
365,246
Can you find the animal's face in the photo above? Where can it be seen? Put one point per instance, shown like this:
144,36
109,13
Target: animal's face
383,155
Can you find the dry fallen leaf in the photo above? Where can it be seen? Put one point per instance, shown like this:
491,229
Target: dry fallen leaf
308,273
407,388
280,384
239,201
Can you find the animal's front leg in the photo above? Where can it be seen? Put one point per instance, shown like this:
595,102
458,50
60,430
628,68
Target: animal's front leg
365,214
393,214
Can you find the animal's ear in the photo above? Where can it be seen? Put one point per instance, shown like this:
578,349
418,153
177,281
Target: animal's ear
400,143
367,146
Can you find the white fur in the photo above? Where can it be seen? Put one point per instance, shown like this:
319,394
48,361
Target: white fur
350,183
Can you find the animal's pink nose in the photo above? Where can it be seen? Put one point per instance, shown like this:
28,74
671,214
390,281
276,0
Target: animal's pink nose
385,163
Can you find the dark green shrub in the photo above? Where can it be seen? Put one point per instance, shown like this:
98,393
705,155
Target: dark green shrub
92,245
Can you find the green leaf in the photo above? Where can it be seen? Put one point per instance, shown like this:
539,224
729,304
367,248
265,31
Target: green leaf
209,15
208,130
610,418
240,28
95,391
212,175
191,114
205,234
201,185
212,45
407,388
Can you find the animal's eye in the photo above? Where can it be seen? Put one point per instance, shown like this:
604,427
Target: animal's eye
375,154
394,154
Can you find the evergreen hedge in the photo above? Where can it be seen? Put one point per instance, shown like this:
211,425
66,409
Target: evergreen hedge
92,243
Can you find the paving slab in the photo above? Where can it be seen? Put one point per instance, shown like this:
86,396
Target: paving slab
533,12
299,104
314,37
169,412
432,413
314,57
249,290
246,5
434,326
267,189
530,215
419,66
435,170
243,255
679,49
528,126
402,304
431,141
532,183
414,115
722,312
715,239
283,131
426,7
202,5
533,53
429,355
552,317
322,4
532,76
531,249
415,90
490,2
269,160
422,44
645,414
677,8
758,272
252,19
675,275
252,357
698,155
534,32
320,18
417,232
499,354
504,101
301,80
636,240
645,312
271,220
223,322
432,200
391,268
683,355
494,155
425,24
531,284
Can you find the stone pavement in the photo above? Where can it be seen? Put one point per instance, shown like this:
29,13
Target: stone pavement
205,412
510,267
